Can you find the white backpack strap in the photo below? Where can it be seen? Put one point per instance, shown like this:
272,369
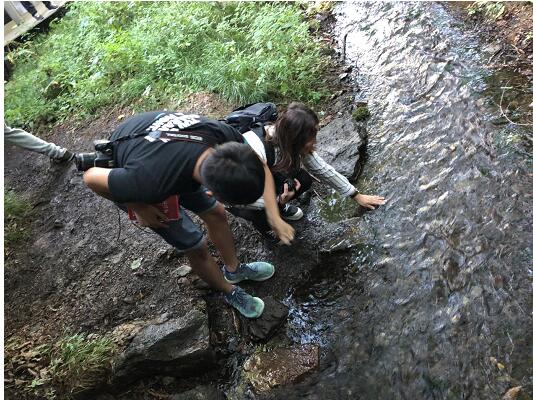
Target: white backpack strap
256,144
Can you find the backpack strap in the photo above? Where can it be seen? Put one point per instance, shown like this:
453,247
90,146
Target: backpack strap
259,129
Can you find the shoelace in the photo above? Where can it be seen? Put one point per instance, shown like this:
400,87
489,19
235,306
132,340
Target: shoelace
238,295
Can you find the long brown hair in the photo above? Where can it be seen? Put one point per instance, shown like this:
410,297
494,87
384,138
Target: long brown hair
294,129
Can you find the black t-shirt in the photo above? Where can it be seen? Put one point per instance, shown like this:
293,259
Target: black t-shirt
150,169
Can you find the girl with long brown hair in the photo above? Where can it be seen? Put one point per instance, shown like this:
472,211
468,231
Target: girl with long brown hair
293,139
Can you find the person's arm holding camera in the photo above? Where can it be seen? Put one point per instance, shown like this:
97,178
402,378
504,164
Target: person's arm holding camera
97,179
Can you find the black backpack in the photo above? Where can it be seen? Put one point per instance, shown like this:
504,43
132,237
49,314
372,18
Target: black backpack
243,118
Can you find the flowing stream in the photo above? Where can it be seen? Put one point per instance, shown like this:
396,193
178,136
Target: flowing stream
434,300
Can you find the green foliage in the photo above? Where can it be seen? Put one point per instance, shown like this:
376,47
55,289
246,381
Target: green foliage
14,205
361,113
153,53
78,363
15,210
59,370
492,9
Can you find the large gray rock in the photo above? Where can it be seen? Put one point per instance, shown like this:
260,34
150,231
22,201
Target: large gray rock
340,143
177,347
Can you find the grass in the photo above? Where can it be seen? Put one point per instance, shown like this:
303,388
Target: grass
491,9
77,363
61,370
361,114
153,53
16,210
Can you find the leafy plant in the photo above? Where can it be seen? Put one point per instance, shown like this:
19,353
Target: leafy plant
59,370
153,53
77,363
492,9
361,114
15,210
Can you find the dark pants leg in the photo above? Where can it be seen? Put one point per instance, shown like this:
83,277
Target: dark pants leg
29,7
256,217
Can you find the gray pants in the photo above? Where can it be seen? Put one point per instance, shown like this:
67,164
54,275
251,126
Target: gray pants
26,140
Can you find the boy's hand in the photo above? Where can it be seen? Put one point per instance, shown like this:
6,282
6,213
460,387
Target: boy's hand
368,201
149,216
283,231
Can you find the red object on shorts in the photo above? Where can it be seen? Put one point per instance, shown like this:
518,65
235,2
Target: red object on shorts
170,207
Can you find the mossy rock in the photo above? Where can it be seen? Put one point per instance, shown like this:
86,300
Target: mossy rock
361,114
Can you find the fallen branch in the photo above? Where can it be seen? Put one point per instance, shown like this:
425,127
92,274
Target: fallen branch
504,114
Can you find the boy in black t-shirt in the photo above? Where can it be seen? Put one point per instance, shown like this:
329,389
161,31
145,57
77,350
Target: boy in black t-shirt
169,159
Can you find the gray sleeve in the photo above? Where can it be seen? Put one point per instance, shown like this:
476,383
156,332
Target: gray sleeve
320,169
26,140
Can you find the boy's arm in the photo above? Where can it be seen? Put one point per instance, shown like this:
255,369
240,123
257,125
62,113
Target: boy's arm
97,179
283,231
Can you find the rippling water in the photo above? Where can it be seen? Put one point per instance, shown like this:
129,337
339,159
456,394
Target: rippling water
435,301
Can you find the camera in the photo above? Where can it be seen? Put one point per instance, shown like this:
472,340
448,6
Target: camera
102,156
291,184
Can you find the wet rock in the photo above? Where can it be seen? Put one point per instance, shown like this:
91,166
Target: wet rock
183,281
512,393
58,224
340,143
493,48
343,76
499,281
280,366
177,347
199,393
168,380
183,270
273,317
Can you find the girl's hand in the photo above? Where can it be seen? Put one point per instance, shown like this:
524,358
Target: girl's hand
369,201
287,195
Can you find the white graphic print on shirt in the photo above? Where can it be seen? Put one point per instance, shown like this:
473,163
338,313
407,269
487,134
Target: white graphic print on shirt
174,122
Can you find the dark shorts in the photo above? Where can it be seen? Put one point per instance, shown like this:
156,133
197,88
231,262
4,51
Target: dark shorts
184,234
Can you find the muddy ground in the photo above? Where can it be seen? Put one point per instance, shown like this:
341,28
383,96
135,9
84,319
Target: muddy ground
74,272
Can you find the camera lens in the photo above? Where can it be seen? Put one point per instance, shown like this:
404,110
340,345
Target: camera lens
84,161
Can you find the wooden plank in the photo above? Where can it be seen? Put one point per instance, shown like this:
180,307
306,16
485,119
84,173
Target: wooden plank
13,31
